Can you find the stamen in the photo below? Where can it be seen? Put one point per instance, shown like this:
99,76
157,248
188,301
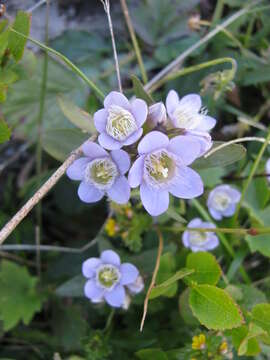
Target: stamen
197,238
121,123
101,173
186,117
107,276
221,201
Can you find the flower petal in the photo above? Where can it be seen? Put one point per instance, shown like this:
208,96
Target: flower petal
191,101
89,267
187,185
203,138
110,257
153,141
122,160
89,193
100,120
135,174
230,210
116,297
116,98
155,202
108,142
197,222
206,124
212,243
133,137
92,291
187,148
129,273
172,101
120,191
93,150
139,110
214,213
76,170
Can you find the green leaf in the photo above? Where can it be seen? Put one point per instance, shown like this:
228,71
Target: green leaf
214,308
185,310
4,42
223,157
5,131
165,271
139,90
249,345
72,288
18,297
259,243
17,43
59,143
244,342
163,287
261,316
205,266
77,116
151,354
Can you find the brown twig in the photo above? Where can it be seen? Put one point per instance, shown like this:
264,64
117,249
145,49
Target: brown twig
153,281
44,189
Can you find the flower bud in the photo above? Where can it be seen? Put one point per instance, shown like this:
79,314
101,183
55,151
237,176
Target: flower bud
157,115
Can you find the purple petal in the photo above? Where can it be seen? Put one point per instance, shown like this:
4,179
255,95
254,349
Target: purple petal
212,243
108,142
204,139
116,297
139,110
100,119
76,170
93,150
136,172
155,202
110,257
89,193
172,101
120,191
116,98
134,137
229,211
191,101
92,291
153,141
195,223
137,286
214,213
267,168
185,238
187,185
188,149
89,267
122,160
129,273
206,124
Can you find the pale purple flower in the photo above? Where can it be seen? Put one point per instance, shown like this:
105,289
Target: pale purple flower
222,201
161,168
189,115
200,241
108,279
120,121
101,173
267,169
157,115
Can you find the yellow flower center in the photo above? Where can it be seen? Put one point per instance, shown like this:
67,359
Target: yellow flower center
160,166
121,123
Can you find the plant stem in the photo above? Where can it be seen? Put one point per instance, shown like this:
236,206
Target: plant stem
218,11
134,40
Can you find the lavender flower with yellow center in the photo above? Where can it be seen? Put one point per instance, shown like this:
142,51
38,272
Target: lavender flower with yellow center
162,168
109,280
120,121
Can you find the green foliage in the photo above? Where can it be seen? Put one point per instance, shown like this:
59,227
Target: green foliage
261,316
245,340
19,299
214,308
150,354
72,288
205,266
139,90
17,43
5,131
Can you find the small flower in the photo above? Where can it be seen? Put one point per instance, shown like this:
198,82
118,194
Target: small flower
198,342
120,122
162,169
222,201
197,240
267,169
194,22
108,279
101,173
111,227
223,349
189,115
157,115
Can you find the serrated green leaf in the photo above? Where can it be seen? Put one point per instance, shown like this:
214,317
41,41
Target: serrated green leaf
139,90
220,158
214,308
163,287
3,42
151,354
59,143
205,266
249,345
18,297
77,116
259,243
5,131
72,288
17,43
261,316
240,340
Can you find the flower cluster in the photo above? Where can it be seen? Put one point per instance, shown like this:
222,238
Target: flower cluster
111,281
162,165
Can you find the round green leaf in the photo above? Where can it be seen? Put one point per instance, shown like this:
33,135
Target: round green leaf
261,316
205,266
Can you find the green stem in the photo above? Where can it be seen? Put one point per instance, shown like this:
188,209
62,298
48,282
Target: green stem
238,231
218,11
252,173
109,320
70,64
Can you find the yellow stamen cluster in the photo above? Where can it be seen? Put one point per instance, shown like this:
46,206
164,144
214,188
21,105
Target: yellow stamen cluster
223,349
111,227
198,342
